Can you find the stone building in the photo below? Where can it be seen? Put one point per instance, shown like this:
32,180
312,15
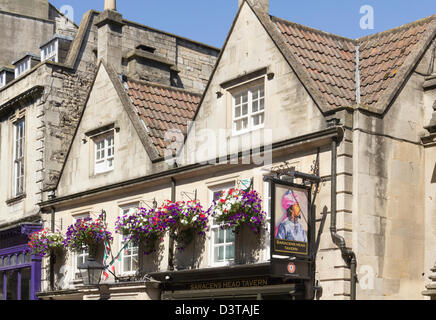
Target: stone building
358,113
182,123
47,69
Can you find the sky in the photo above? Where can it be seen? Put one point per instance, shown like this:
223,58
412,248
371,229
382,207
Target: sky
209,21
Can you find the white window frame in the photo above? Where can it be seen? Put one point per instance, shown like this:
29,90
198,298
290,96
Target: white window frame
131,246
216,227
84,254
19,152
250,115
50,51
22,67
103,162
2,79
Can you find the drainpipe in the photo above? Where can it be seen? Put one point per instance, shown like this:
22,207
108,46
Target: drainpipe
171,242
347,254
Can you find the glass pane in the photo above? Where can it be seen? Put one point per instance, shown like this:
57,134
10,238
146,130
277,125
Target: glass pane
219,254
255,106
244,123
126,264
237,112
244,109
262,93
11,285
262,104
13,260
256,120
25,284
230,236
219,236
20,258
255,94
6,262
1,286
230,252
238,125
245,97
28,257
135,263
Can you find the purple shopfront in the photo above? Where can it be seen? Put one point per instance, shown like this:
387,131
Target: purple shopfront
20,271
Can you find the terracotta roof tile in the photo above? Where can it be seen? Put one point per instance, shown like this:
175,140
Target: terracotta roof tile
330,60
162,109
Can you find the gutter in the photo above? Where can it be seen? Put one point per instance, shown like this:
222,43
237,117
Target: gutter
347,254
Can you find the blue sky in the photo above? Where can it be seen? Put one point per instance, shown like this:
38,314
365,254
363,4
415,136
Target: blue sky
209,21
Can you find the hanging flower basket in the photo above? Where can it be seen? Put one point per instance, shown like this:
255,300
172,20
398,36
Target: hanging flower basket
187,219
87,234
236,208
143,226
45,243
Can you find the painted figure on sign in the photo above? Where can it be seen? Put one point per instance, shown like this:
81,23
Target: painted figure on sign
290,228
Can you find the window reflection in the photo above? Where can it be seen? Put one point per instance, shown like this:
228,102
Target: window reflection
25,284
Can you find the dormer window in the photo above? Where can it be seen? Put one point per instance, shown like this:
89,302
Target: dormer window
22,67
50,51
2,79
104,153
25,63
56,48
6,75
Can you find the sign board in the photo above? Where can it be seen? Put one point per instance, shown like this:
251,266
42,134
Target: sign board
291,219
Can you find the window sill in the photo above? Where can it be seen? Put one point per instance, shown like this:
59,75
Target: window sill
16,199
240,133
103,173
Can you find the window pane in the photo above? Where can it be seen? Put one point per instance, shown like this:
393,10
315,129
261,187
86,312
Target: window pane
262,104
25,284
245,97
219,254
13,260
230,236
230,252
255,106
6,262
28,257
1,286
255,94
244,109
11,283
126,264
219,236
237,112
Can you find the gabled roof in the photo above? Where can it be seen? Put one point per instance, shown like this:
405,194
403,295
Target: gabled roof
328,67
383,55
328,59
162,109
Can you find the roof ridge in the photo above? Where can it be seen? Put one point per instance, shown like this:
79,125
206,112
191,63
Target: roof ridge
397,29
160,85
333,35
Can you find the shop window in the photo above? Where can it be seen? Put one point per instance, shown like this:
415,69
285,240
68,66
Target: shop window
12,285
25,284
222,240
104,153
129,256
19,139
2,296
248,108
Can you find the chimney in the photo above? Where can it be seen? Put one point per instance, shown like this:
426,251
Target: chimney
110,35
260,4
110,5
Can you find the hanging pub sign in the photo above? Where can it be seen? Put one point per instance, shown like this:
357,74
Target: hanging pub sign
290,208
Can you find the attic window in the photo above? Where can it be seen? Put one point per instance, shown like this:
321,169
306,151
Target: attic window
50,51
2,79
143,47
22,67
104,153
